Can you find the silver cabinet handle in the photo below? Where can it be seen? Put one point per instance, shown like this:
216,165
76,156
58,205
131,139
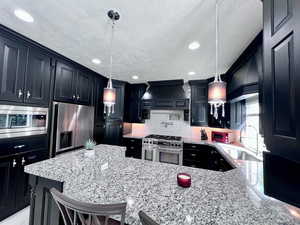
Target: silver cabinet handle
20,93
28,94
14,163
23,161
78,97
19,146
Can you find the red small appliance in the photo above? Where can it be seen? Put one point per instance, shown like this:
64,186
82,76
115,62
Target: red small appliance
222,136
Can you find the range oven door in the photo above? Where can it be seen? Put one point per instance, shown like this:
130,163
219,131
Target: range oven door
169,156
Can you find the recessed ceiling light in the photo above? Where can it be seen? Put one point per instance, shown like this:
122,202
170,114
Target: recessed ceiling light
135,77
191,73
96,61
194,45
23,15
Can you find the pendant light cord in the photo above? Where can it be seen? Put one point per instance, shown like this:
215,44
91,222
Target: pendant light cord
111,49
217,76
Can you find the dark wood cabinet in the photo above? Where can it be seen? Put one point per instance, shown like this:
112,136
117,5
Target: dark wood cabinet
83,87
7,186
281,96
199,103
113,132
14,188
205,157
237,115
99,120
25,73
38,73
13,58
71,84
14,185
133,147
133,103
65,82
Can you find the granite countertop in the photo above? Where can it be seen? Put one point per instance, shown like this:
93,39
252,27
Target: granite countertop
106,176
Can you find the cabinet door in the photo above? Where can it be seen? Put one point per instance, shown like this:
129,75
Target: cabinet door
113,132
98,100
238,115
83,88
133,103
23,188
199,104
37,85
7,187
13,57
65,82
281,77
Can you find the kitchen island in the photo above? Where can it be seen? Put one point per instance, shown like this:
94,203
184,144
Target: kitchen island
106,176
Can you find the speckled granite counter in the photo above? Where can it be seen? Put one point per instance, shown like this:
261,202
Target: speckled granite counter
106,176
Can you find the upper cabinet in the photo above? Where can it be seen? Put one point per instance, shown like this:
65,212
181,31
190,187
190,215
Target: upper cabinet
13,57
133,103
71,84
65,82
199,103
237,114
99,85
19,83
83,88
38,73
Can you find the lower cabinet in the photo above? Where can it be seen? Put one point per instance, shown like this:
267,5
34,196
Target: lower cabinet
7,187
205,157
14,186
113,132
133,147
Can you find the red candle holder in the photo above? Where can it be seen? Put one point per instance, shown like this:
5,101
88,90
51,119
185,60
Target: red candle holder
184,180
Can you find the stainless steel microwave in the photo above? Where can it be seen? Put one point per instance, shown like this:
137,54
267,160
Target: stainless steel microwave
18,121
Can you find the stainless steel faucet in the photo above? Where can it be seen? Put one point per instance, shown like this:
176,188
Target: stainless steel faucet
257,134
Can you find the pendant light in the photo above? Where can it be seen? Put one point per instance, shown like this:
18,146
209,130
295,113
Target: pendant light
217,88
109,94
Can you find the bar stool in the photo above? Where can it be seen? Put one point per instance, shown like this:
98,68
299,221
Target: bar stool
81,213
146,220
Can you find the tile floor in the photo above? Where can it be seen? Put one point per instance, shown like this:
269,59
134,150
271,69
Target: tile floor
20,218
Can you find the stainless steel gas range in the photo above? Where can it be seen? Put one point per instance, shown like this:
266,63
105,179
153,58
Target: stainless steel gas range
161,148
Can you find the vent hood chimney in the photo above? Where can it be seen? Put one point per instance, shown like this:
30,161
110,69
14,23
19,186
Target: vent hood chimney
169,94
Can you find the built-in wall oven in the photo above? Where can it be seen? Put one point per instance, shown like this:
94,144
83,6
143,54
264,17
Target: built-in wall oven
18,121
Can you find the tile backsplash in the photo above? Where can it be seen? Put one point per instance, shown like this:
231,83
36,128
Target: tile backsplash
167,122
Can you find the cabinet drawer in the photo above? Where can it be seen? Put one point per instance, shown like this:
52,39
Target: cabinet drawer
192,155
189,146
134,151
24,144
132,142
33,157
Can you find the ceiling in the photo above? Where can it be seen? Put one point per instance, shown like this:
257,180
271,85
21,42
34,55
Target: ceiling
151,38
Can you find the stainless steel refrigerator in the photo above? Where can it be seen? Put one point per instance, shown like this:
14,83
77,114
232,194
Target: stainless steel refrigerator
72,126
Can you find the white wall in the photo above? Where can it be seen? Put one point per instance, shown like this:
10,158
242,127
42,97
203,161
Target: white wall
166,122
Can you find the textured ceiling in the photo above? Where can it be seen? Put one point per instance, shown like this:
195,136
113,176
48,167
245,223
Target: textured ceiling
151,38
